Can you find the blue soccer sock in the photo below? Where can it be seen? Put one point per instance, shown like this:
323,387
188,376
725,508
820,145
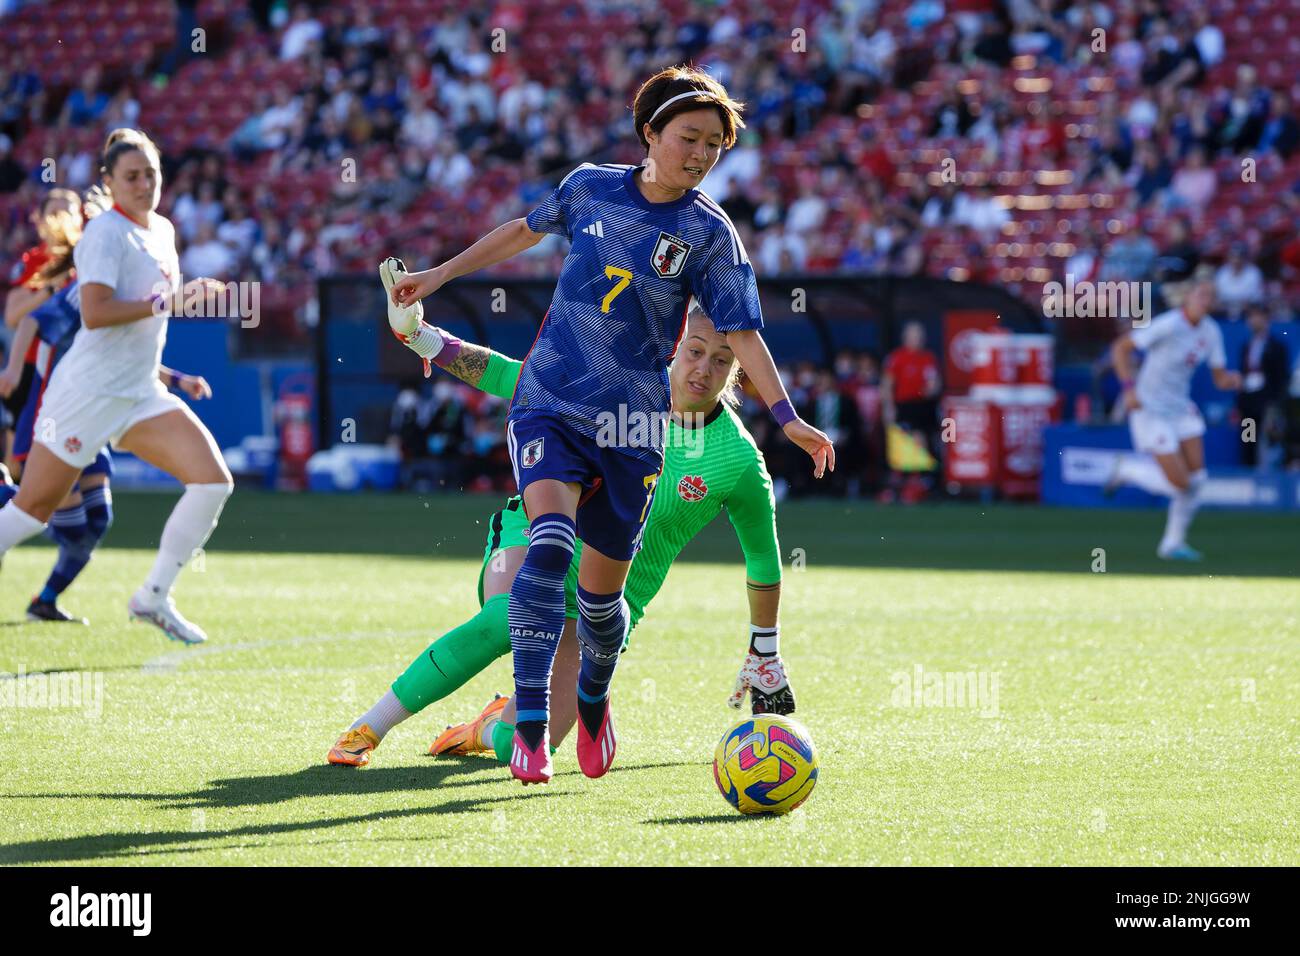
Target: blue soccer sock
98,503
69,529
602,628
536,617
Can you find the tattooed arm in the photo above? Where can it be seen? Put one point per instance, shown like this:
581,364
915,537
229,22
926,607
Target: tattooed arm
470,364
486,370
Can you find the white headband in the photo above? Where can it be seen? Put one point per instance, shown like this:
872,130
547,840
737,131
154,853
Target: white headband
673,99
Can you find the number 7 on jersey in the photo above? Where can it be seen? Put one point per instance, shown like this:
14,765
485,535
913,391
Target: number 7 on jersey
624,279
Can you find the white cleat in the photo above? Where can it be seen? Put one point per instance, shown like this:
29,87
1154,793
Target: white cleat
164,616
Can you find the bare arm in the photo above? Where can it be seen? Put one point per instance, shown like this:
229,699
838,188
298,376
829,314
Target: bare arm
22,342
100,310
887,410
756,360
500,244
21,301
1226,380
470,364
1121,357
195,386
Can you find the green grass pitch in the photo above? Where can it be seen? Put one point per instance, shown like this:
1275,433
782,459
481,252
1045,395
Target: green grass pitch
1142,715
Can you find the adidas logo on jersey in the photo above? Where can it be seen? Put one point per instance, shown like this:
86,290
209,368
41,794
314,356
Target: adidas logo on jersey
596,229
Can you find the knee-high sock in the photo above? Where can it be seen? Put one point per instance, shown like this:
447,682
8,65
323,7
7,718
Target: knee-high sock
537,617
1182,509
457,656
188,528
602,628
69,528
98,503
1143,472
16,526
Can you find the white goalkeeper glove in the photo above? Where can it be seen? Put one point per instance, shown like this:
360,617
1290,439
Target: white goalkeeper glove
407,322
765,680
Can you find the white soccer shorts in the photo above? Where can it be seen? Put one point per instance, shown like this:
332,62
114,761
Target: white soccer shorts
1159,434
75,426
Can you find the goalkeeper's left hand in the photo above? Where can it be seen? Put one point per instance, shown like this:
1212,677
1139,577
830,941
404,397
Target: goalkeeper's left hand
407,322
765,680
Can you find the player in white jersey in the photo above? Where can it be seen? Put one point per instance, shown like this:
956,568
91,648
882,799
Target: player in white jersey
1164,421
108,387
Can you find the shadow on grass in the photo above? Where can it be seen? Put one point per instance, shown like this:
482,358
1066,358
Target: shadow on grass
725,817
321,780
626,768
105,846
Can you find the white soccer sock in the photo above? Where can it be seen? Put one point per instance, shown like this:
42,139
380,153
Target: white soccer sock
387,713
1144,473
16,526
187,530
765,640
485,732
1182,509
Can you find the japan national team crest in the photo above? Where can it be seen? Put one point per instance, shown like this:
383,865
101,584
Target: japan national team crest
669,256
692,488
531,453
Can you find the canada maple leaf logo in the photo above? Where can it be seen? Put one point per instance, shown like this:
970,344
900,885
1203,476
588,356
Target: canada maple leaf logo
692,488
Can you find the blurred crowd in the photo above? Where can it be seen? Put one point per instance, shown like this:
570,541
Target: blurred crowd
440,117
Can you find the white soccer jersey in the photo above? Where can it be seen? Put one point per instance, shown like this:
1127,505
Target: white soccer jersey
1174,347
121,360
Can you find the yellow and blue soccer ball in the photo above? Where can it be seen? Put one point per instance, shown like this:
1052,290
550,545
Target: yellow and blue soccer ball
765,764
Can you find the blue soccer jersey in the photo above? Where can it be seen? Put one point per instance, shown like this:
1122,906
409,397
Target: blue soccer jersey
620,305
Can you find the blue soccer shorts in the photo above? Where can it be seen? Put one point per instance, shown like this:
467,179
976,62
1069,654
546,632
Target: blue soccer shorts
618,483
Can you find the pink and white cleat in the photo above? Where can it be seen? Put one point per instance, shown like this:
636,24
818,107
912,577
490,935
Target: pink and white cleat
595,755
531,766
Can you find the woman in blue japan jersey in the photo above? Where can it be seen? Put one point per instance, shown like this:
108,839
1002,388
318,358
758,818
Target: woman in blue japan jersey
586,424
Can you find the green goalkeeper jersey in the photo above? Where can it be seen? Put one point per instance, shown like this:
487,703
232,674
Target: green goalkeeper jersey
709,467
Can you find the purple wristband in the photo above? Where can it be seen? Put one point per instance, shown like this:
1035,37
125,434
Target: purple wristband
450,349
783,412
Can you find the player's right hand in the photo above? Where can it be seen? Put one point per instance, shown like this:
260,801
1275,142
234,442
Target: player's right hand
1131,401
410,289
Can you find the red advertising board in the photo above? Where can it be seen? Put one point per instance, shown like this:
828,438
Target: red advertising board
997,445
970,432
1020,447
958,350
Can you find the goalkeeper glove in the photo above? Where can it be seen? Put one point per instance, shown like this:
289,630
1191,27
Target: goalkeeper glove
407,322
765,680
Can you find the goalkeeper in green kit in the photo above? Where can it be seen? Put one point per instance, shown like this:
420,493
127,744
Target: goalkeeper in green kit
711,462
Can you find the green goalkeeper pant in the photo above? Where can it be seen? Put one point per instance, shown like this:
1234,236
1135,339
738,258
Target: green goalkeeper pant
455,657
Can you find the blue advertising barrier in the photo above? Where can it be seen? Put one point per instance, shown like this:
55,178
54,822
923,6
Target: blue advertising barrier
1078,460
